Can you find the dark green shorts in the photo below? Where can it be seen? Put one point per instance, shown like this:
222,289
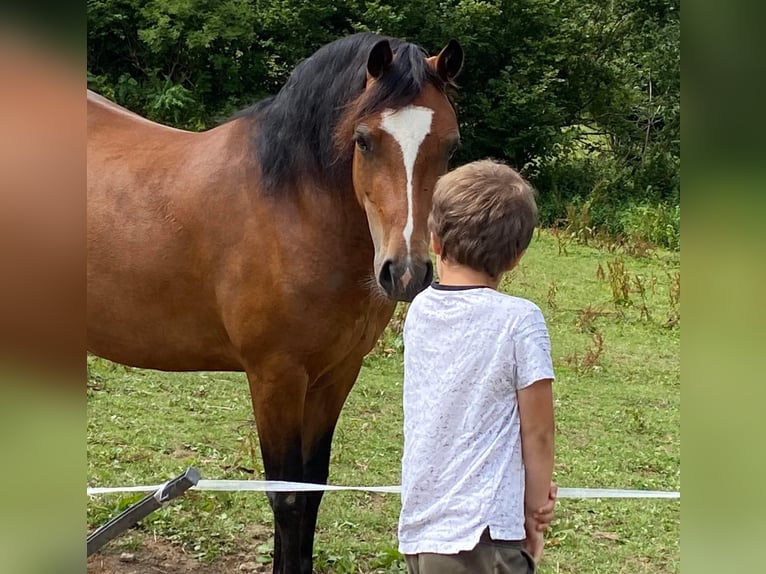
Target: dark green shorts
487,557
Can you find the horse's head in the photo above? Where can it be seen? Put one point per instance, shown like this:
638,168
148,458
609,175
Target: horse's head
404,131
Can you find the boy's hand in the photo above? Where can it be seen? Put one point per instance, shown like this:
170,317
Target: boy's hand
544,515
534,542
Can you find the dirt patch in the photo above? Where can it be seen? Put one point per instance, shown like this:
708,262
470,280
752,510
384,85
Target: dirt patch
157,556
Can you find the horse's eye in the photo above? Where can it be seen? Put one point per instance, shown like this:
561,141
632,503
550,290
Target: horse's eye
362,142
453,148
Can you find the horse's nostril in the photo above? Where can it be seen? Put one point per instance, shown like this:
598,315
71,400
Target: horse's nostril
404,283
386,277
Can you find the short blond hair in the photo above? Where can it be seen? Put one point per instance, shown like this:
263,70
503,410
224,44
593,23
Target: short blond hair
483,215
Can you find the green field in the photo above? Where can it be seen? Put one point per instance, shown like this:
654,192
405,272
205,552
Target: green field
615,329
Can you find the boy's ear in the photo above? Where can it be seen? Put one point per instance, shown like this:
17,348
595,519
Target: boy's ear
435,245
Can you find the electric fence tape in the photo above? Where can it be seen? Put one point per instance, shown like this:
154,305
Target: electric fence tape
283,486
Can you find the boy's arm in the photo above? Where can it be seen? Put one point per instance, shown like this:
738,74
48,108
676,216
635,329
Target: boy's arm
537,430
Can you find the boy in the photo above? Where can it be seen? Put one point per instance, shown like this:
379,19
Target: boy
478,405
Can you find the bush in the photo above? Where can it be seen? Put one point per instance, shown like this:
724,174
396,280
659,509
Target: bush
659,224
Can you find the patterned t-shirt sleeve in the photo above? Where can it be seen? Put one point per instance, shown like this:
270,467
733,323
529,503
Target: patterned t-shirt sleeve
533,350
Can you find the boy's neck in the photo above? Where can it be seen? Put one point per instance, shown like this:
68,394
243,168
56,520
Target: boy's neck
457,275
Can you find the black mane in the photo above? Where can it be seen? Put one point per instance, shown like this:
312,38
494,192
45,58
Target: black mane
294,131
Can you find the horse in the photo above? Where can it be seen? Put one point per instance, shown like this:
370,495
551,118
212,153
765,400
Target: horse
276,243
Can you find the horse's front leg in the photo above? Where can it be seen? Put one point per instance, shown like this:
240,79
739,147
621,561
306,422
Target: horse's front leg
324,401
278,396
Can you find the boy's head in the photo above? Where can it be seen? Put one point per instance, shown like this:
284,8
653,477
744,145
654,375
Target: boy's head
483,216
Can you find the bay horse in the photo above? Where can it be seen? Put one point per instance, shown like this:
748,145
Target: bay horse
276,243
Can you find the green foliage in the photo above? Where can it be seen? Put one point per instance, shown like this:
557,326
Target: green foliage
583,96
658,224
192,62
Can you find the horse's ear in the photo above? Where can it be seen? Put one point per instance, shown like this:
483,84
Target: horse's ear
449,62
380,59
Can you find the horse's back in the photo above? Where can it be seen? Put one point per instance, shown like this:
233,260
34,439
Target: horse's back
104,114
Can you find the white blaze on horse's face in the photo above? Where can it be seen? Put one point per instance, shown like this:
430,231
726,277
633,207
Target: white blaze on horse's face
408,126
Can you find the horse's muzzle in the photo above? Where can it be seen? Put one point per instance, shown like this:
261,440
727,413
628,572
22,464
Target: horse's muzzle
402,281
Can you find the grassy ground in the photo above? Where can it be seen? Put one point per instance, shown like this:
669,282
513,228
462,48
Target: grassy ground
617,359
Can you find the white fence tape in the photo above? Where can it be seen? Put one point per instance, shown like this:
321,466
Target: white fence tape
282,486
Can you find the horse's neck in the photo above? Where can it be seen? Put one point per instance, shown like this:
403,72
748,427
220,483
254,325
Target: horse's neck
337,213
325,214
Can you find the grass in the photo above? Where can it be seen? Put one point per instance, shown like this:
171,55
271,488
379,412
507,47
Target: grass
615,329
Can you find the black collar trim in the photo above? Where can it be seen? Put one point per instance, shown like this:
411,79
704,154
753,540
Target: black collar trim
440,287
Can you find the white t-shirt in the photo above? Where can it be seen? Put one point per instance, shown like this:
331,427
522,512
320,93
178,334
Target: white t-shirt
466,353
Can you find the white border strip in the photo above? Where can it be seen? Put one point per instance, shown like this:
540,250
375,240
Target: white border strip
283,486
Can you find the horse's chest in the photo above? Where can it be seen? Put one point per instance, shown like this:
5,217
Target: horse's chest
350,335
366,329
